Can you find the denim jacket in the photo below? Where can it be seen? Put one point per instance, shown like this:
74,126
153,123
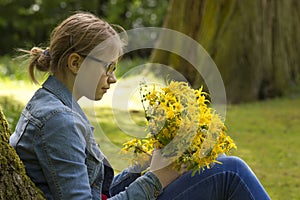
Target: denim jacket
55,141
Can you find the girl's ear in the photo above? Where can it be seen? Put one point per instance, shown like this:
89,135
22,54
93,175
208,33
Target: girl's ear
74,62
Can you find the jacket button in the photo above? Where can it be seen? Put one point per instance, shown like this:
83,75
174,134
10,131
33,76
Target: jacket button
156,193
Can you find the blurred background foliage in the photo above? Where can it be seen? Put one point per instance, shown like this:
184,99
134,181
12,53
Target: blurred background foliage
12,109
28,23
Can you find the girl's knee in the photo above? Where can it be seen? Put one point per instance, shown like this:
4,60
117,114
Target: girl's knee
234,163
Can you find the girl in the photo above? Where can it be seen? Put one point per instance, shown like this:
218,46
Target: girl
55,140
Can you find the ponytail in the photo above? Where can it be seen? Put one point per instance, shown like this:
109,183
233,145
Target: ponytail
39,60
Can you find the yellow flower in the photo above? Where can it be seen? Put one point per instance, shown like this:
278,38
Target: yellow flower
179,119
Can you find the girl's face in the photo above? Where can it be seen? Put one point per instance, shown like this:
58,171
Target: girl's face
94,77
107,77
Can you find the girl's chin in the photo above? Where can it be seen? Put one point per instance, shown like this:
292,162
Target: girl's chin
97,97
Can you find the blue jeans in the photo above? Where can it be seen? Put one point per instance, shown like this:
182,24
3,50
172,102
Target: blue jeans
232,180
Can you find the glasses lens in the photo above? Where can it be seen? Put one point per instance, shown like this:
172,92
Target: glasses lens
111,67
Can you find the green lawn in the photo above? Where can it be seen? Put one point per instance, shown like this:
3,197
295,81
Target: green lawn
266,133
268,138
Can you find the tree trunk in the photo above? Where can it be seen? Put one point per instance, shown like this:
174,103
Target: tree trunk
14,183
254,44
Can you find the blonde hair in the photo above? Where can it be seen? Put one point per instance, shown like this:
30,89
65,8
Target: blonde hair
79,33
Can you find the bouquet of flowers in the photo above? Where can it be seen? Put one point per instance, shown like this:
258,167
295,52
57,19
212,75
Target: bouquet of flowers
181,124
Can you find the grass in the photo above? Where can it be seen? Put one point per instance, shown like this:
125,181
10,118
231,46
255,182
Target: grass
267,134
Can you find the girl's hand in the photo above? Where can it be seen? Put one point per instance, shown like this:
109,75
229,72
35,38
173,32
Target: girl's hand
163,168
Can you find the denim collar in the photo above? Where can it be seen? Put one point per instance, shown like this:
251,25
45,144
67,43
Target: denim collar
53,85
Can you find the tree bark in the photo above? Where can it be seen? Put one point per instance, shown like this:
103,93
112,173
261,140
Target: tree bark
254,44
14,183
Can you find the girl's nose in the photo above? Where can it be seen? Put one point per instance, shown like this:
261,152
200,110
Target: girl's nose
112,78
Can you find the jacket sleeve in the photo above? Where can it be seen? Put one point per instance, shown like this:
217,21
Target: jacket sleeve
61,152
145,187
122,180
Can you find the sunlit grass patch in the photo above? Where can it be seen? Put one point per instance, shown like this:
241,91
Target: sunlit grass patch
268,139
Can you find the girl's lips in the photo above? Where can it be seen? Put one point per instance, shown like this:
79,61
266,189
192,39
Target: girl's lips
105,89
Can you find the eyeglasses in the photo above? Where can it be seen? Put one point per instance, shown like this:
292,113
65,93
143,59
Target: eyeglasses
110,66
